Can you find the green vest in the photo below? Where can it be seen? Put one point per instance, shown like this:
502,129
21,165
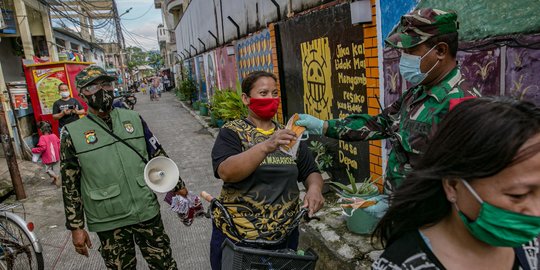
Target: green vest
113,190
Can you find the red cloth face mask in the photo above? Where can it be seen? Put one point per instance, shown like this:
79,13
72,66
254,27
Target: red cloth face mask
265,108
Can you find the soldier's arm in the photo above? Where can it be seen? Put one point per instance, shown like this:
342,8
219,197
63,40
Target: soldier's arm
360,127
71,184
155,149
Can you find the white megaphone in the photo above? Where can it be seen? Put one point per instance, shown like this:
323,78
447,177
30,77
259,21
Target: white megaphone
161,174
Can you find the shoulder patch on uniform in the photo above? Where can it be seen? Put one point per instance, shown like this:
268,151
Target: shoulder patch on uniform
90,136
128,126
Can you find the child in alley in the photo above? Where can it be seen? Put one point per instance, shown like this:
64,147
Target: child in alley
49,148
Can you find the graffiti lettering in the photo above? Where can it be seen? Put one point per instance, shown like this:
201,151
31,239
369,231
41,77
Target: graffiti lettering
353,97
348,147
342,51
347,161
357,49
359,63
343,64
352,81
353,108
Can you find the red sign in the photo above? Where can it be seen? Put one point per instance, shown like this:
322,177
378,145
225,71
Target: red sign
20,101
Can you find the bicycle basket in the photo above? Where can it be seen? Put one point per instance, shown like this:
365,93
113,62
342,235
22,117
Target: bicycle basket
245,258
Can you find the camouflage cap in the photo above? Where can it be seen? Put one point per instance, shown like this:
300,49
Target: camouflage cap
90,74
420,25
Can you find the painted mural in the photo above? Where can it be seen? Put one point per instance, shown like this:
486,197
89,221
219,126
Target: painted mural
226,66
324,74
482,70
393,82
491,61
391,11
200,78
316,74
210,70
522,67
254,53
187,68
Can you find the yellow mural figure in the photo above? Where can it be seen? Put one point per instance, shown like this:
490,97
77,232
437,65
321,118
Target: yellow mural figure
316,73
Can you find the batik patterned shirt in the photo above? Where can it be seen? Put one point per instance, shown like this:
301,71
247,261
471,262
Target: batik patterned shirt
407,122
264,203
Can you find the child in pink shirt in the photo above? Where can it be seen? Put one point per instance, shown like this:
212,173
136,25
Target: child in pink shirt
49,148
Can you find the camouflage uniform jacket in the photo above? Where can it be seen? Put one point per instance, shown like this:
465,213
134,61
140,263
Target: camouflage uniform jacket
411,118
71,174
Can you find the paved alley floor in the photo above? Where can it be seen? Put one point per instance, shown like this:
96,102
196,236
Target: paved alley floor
187,143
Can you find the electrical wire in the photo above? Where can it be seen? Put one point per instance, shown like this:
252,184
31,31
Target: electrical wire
132,19
61,13
131,34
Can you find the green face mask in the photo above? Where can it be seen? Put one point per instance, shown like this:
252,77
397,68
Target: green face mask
500,227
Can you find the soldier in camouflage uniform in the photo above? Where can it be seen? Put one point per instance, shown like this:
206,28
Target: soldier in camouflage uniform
103,180
428,40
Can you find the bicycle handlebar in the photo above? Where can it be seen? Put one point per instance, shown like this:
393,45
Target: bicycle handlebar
303,213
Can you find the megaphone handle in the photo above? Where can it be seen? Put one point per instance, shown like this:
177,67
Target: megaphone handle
206,196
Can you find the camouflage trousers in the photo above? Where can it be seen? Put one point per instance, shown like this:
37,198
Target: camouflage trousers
118,246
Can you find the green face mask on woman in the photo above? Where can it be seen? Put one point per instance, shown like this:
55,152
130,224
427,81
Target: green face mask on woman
500,227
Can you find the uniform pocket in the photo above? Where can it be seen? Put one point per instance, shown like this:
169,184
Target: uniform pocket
107,203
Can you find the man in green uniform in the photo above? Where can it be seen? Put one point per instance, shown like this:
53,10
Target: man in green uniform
103,180
428,40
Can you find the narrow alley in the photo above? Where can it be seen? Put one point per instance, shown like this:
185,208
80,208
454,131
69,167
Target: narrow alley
188,144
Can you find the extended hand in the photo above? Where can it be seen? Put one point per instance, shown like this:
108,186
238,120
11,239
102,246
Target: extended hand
280,137
313,124
81,241
182,192
313,200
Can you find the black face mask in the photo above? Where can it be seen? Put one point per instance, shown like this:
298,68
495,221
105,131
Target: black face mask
101,100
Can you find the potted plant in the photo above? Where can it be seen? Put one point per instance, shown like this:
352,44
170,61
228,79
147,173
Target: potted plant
203,108
360,219
365,189
215,106
231,106
324,162
187,89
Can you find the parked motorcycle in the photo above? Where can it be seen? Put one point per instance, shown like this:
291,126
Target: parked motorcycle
125,101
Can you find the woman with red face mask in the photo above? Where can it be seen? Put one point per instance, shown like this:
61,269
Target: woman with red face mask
260,182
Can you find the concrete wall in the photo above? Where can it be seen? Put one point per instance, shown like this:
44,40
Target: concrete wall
11,64
226,65
330,70
250,15
211,74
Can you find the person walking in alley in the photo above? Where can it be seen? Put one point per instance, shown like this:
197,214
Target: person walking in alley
143,87
49,149
66,109
428,40
473,201
260,181
103,180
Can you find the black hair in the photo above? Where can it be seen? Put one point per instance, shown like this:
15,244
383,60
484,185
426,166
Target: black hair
451,39
252,77
45,127
478,138
61,85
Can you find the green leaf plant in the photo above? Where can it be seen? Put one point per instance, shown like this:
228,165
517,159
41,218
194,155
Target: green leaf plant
365,187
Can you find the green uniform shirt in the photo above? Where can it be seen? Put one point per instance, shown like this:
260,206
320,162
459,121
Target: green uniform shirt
80,182
412,117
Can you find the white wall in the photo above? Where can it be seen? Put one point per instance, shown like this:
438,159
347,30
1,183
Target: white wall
250,15
162,34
